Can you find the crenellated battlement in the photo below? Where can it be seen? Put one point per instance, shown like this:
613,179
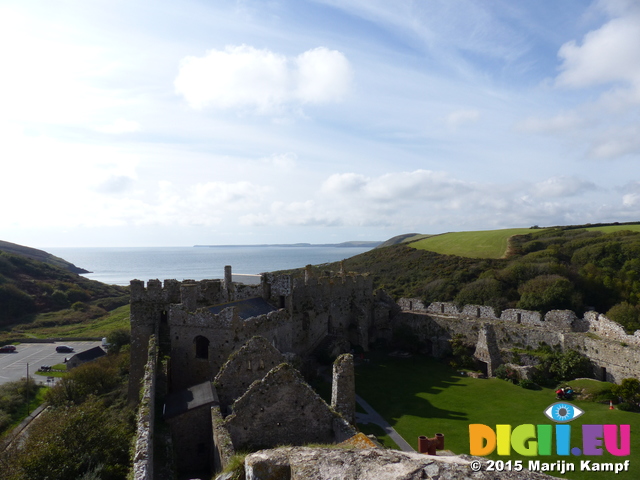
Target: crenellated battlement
305,312
613,353
555,320
155,291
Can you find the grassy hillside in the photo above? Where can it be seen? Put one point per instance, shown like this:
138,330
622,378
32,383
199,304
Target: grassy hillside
40,255
482,244
546,269
615,228
29,288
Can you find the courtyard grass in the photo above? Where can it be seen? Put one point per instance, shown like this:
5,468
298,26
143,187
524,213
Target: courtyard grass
481,244
422,396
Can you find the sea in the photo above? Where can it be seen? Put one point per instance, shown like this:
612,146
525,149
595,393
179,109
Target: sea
118,266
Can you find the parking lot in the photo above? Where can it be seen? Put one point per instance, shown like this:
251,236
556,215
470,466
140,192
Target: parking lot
13,366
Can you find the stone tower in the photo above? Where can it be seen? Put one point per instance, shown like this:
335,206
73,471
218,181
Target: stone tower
343,390
487,350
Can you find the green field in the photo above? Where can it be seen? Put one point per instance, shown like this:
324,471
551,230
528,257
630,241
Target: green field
481,244
62,324
422,396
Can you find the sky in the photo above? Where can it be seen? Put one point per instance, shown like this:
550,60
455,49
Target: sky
136,123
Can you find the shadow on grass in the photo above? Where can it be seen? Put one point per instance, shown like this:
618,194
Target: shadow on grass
412,379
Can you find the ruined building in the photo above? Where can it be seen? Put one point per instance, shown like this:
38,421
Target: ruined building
229,383
204,322
220,354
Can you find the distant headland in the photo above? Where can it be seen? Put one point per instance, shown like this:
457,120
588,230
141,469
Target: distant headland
353,244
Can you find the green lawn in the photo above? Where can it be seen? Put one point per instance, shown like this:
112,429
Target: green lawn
117,319
482,244
421,396
21,414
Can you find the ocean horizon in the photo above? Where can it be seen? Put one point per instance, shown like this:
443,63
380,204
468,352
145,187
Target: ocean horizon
120,265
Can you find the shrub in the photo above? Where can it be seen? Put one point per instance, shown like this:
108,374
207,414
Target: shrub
60,299
628,407
626,315
570,365
15,303
529,384
118,339
72,441
79,307
628,390
506,373
547,292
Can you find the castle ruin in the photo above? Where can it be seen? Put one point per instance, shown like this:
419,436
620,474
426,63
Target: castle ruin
220,354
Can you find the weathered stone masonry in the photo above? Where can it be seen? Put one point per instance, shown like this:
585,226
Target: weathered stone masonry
238,335
614,354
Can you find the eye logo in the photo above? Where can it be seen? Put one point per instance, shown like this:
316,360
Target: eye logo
562,412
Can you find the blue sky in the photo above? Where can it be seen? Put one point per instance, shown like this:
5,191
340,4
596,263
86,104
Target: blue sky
240,122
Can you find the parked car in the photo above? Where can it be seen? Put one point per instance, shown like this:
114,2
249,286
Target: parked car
64,349
7,348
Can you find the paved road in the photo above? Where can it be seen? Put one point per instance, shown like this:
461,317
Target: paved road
13,366
374,417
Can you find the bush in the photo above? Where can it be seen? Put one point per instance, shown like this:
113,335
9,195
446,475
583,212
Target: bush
628,407
628,390
15,303
570,365
79,307
73,441
60,299
94,378
507,373
547,292
626,315
118,339
529,384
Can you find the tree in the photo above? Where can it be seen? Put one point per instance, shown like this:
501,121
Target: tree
484,291
71,441
628,390
570,365
626,315
547,292
117,339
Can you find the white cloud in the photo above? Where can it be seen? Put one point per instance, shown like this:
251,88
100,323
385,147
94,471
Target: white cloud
263,81
562,186
283,161
323,75
115,184
560,123
606,55
344,183
616,142
119,126
460,117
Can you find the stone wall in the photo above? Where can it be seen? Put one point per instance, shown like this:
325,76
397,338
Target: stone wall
252,362
225,333
282,409
192,436
343,391
612,359
558,320
341,305
143,455
304,463
222,445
